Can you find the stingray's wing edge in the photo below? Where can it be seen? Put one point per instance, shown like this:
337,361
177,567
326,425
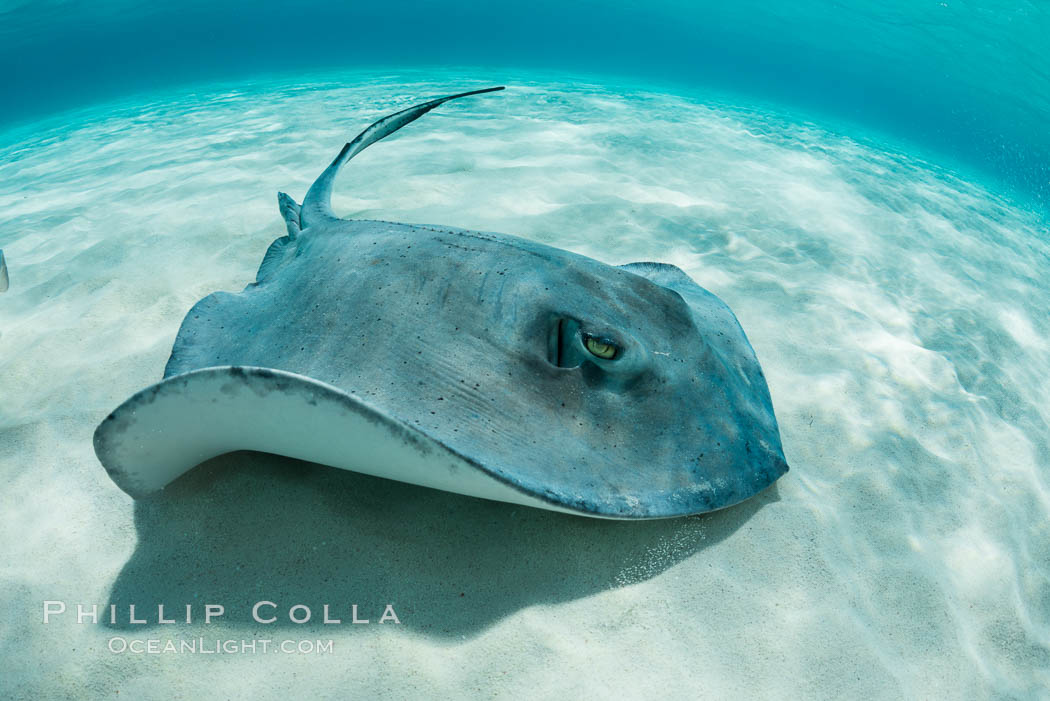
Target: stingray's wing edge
167,429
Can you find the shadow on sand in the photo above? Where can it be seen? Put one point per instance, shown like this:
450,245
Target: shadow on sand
247,527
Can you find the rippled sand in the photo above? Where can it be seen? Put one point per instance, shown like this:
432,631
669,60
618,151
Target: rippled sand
899,314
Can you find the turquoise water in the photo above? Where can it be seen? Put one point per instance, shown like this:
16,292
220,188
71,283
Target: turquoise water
864,188
967,81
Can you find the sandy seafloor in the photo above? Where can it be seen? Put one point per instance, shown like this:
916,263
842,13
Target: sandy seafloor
899,313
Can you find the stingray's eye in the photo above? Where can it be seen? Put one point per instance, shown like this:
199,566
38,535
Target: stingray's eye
600,347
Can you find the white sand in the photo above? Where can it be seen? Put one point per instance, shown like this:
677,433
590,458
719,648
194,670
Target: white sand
899,313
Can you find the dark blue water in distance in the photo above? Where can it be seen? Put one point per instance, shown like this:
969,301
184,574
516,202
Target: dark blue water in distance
966,84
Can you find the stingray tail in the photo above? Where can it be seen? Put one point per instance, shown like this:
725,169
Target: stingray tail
318,203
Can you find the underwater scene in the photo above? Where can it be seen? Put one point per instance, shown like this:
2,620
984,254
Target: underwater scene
421,430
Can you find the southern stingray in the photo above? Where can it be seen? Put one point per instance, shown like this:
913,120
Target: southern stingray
478,363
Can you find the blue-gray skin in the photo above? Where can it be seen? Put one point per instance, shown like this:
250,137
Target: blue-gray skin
624,391
4,280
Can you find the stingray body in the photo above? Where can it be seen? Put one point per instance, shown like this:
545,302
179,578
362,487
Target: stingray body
478,363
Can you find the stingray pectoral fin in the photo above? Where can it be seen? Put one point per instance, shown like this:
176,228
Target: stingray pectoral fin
280,252
677,280
661,273
317,205
165,430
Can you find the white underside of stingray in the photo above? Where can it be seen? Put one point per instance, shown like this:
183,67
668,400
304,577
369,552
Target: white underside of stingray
184,420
